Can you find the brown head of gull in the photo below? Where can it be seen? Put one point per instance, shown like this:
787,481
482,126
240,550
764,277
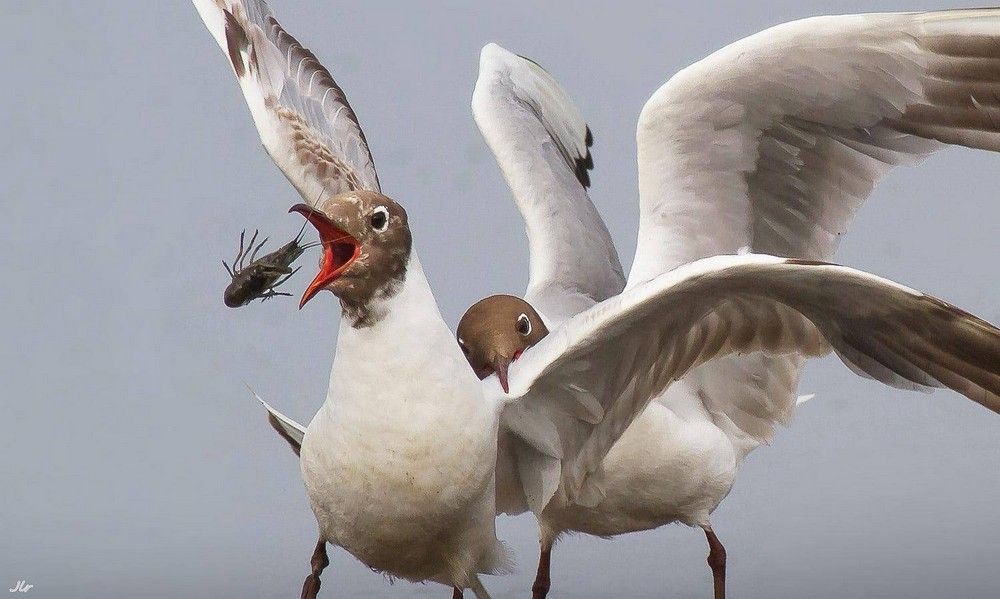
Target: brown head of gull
495,331
366,244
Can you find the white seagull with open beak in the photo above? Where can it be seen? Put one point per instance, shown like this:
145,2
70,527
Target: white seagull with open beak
400,461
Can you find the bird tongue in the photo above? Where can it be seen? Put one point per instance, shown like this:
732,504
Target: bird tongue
340,249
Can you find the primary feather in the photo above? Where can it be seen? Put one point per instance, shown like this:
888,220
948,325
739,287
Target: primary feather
303,117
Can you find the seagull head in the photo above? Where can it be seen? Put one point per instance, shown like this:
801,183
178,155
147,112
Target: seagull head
495,331
366,245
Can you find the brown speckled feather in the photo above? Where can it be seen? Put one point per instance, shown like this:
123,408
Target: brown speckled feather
304,119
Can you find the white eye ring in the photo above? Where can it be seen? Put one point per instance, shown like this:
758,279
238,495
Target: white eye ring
523,325
380,219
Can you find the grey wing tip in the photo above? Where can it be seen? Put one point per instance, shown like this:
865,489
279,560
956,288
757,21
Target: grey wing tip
582,164
532,61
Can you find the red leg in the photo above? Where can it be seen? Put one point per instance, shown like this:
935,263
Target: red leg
457,593
542,579
717,561
310,588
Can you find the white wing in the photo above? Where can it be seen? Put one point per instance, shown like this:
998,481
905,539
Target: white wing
543,147
774,142
289,430
303,117
605,365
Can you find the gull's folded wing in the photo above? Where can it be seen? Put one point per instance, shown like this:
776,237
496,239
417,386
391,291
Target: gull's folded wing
605,365
289,430
543,147
774,142
303,117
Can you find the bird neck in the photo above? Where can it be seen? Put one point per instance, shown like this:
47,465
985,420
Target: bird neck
409,342
411,307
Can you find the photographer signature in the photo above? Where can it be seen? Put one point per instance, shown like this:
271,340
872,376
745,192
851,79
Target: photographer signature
22,586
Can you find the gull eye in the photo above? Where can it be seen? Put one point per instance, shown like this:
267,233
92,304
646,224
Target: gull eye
523,325
380,219
461,343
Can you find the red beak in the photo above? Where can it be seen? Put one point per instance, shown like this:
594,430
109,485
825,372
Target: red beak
340,249
500,367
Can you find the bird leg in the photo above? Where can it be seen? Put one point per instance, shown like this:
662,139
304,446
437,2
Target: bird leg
542,580
717,561
456,593
310,588
477,588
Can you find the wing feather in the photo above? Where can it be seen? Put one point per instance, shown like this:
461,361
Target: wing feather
638,343
303,117
289,430
542,145
784,134
774,142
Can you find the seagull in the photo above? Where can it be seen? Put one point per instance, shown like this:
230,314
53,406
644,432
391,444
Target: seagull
400,462
769,145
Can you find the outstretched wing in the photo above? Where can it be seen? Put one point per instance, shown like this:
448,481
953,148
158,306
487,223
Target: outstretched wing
303,117
543,147
774,142
575,392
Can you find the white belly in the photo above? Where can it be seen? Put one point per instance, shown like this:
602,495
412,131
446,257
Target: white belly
400,500
663,469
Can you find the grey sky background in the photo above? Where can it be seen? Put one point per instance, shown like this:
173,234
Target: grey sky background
134,464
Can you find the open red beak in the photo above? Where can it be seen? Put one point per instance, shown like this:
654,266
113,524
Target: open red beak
340,249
